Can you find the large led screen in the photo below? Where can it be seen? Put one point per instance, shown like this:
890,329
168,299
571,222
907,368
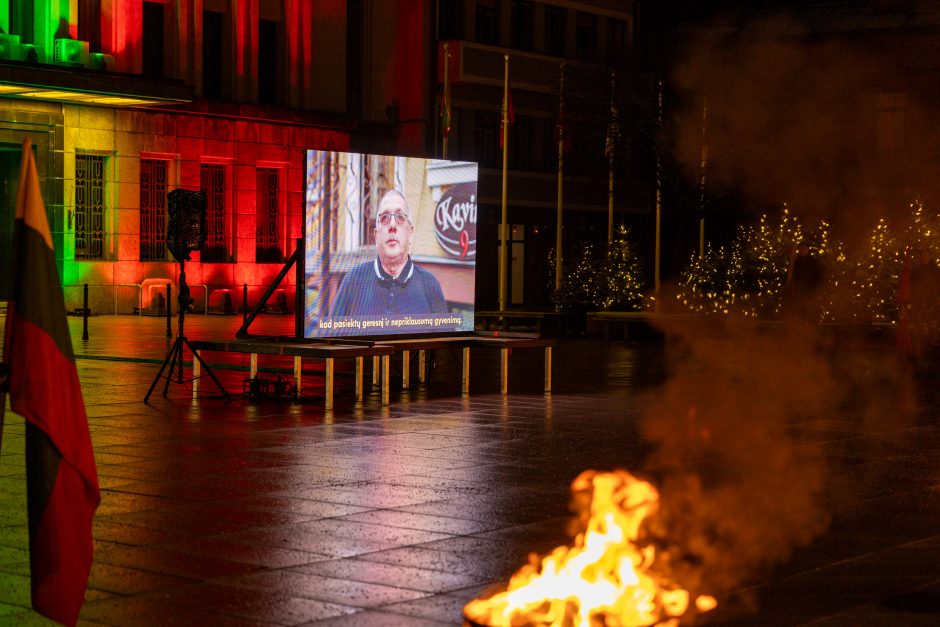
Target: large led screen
390,245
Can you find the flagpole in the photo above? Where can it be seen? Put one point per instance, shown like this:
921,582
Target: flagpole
561,175
445,105
502,225
704,164
659,196
610,165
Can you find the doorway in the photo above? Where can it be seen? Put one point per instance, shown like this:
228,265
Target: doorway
10,155
517,264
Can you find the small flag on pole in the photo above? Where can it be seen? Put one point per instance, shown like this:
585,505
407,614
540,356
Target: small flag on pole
561,131
613,124
445,114
510,117
445,99
613,132
61,477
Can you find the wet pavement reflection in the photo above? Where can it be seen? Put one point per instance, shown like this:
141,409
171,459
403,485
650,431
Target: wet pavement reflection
274,511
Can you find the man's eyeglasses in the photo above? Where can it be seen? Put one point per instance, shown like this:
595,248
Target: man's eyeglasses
386,218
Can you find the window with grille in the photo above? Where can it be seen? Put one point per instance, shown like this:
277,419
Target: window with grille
153,184
487,22
212,182
449,19
355,55
267,216
555,31
152,48
269,82
585,36
89,207
521,14
531,145
616,40
486,138
212,58
21,19
89,23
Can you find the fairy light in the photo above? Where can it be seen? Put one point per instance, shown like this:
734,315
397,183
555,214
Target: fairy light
618,284
863,284
608,281
874,279
748,276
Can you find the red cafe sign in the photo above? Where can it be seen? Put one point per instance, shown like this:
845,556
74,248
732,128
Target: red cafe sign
455,220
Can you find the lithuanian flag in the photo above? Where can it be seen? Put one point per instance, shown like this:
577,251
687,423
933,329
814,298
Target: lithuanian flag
61,478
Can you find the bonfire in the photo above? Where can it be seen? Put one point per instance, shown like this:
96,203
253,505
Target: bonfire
606,578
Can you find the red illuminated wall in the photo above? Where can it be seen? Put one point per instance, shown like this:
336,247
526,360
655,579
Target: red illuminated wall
410,69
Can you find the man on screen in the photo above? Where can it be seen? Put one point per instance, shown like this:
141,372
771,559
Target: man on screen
391,284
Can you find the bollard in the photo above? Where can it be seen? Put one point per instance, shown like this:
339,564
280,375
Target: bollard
85,314
169,310
245,303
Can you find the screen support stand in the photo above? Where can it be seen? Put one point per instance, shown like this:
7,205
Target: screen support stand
174,357
296,260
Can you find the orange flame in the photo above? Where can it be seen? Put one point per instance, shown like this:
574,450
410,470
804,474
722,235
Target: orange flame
605,578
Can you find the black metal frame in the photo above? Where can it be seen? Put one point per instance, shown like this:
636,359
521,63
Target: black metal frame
297,260
174,357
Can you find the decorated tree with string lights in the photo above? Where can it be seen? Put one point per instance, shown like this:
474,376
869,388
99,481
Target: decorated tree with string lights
611,280
577,284
837,304
861,282
918,295
707,283
876,275
865,282
922,230
550,279
748,275
618,283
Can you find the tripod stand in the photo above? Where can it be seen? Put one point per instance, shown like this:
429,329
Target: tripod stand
174,358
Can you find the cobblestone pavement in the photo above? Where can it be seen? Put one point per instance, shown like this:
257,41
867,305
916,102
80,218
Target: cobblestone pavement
812,479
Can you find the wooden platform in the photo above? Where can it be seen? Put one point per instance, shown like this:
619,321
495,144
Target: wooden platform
504,344
299,351
381,352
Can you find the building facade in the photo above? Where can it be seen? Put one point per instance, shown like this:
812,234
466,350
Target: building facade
590,39
127,100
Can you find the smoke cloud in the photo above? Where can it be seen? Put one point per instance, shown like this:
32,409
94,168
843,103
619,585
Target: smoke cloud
748,432
835,127
739,487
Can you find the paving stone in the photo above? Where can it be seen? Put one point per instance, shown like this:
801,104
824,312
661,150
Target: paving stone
276,512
